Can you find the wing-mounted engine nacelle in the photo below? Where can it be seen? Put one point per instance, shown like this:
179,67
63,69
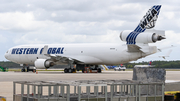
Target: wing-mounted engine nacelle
149,36
43,63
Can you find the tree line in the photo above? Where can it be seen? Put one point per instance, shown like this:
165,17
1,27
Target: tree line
157,64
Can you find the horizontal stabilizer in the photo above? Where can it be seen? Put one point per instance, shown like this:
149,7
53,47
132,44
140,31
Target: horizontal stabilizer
167,55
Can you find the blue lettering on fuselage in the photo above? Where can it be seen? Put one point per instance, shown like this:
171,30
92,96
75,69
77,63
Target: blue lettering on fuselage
62,50
20,51
35,50
27,51
53,50
17,50
41,50
24,50
58,51
49,51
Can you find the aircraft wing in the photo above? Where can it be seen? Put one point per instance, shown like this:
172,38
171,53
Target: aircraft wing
62,59
59,58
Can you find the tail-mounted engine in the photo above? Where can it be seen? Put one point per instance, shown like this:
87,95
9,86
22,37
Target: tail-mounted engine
149,36
43,63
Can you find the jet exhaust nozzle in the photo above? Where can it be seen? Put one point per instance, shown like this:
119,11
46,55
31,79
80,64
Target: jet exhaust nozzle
161,38
157,37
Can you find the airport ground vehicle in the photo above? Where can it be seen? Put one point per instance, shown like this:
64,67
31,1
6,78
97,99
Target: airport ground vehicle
3,69
120,68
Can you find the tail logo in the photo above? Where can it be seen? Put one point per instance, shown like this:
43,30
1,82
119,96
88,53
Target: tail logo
147,18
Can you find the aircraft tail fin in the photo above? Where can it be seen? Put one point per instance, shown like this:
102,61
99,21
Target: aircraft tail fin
149,20
150,63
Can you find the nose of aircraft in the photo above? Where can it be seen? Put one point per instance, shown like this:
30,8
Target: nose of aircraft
6,55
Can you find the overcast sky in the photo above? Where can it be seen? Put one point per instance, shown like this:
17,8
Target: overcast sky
83,21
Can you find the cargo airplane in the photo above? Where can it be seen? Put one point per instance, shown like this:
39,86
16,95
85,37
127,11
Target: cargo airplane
93,54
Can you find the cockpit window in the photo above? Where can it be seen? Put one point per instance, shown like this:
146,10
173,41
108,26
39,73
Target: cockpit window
7,52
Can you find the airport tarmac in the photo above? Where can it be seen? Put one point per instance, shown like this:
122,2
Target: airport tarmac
7,78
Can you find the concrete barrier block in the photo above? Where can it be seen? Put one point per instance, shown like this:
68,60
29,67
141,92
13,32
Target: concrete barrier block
148,74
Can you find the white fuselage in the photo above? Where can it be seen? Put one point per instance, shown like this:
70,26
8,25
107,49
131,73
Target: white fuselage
104,53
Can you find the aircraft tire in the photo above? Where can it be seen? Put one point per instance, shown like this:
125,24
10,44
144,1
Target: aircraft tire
70,70
119,69
114,69
65,70
123,69
99,70
22,70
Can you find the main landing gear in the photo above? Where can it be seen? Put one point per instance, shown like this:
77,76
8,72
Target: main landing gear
69,70
29,68
23,69
83,68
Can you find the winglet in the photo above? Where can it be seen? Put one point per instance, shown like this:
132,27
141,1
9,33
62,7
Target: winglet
45,49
